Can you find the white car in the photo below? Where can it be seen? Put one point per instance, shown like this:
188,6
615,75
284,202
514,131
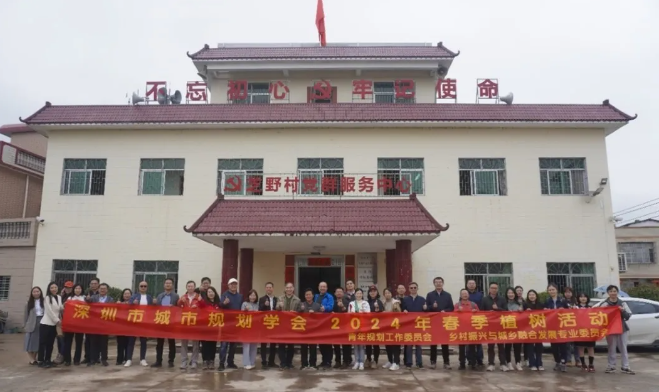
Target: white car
644,323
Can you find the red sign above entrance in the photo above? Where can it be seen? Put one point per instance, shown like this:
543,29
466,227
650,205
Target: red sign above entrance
315,183
319,262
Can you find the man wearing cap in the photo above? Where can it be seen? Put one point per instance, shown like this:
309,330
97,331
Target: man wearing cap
67,291
233,300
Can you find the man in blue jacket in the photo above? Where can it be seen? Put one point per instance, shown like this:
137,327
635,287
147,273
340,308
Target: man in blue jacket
439,300
476,297
166,298
414,304
139,298
326,302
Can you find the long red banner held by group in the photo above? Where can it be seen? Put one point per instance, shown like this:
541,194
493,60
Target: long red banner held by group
553,326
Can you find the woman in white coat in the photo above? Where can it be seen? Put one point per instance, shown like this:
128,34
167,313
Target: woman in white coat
359,305
48,326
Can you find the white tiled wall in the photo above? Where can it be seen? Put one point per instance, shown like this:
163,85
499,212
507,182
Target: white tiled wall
525,227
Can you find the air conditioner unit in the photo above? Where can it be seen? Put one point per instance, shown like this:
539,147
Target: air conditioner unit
622,262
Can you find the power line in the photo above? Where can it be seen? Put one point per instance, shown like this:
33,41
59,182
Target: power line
653,213
637,209
627,210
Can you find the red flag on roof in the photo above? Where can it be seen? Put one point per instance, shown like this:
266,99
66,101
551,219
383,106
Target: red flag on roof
320,23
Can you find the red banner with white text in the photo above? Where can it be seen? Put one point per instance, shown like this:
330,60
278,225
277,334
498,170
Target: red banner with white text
553,326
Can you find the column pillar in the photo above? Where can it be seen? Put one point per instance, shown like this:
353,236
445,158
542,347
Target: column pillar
229,263
390,263
246,276
404,261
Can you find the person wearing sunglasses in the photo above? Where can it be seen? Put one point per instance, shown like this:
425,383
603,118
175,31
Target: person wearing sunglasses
414,303
141,298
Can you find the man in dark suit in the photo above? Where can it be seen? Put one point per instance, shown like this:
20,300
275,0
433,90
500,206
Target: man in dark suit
166,298
93,290
439,300
268,303
341,306
99,343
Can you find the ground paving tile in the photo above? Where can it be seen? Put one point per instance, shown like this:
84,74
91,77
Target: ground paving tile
17,375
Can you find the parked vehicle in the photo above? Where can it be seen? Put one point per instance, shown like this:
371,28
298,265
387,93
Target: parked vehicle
644,323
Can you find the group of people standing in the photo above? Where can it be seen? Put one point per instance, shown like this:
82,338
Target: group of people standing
43,327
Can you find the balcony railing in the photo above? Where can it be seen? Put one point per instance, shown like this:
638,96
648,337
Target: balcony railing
22,159
18,232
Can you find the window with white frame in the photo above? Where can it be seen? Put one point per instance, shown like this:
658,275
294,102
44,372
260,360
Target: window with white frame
401,172
161,176
243,175
482,176
320,176
77,271
579,276
637,252
4,287
485,274
563,176
385,92
83,177
154,273
258,92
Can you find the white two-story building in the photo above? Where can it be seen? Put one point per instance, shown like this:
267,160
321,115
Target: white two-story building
328,163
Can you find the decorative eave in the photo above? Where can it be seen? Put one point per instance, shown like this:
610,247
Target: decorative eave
11,129
340,218
340,113
333,51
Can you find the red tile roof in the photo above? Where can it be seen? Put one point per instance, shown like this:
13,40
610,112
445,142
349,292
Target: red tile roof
328,52
235,216
9,129
341,112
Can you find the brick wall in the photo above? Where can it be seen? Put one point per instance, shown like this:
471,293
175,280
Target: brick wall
31,141
18,263
12,194
34,197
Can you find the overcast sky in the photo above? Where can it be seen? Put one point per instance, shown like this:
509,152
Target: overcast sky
94,52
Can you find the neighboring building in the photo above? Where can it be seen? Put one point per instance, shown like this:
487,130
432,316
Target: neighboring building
637,253
318,180
22,163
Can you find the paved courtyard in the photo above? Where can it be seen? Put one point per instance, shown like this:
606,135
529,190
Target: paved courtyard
17,375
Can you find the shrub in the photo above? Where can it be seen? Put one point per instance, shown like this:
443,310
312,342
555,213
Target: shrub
646,291
115,293
542,297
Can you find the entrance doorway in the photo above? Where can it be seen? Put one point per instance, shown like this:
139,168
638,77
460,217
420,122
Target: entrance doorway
311,270
310,278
